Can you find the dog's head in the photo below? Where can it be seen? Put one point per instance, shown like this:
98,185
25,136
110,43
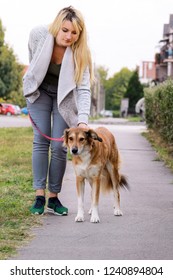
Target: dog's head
78,140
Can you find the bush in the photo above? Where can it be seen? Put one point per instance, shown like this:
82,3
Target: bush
159,109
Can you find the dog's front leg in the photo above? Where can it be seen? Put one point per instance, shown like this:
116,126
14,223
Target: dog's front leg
80,184
95,201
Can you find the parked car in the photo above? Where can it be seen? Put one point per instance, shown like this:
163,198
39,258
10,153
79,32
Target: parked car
18,110
140,108
2,109
9,109
106,113
24,111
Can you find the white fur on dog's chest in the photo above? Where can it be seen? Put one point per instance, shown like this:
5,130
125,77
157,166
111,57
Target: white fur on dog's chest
85,169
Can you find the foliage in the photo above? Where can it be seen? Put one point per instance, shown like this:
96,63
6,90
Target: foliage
103,73
134,91
10,69
163,149
159,109
2,33
115,87
16,97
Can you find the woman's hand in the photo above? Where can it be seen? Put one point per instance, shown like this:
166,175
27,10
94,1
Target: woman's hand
82,125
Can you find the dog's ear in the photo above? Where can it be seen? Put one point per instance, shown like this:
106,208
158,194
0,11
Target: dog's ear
92,134
65,136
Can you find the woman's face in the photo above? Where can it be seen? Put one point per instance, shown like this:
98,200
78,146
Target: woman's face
67,35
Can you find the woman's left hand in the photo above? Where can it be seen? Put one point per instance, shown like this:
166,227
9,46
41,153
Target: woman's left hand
82,125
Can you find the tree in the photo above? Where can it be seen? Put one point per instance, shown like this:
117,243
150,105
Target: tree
103,73
1,35
115,88
10,69
134,91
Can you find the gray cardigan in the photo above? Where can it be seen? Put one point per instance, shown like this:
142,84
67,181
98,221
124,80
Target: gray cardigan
73,100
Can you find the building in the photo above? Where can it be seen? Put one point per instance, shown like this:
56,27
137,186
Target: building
148,72
164,58
159,70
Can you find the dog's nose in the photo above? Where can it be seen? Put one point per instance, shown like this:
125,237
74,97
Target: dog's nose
74,150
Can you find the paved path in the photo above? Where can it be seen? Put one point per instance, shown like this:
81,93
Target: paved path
144,232
14,121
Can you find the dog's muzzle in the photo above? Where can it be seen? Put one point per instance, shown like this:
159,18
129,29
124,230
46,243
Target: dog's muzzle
74,150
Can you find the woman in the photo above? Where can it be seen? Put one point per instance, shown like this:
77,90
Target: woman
57,88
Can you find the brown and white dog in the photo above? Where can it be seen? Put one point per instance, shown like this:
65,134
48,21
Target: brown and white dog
95,157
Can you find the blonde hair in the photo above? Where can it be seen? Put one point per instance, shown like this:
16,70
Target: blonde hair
81,52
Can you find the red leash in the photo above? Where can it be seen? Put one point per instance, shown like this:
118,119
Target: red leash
44,135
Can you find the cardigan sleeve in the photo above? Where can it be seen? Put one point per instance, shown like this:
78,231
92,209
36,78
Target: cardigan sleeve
84,98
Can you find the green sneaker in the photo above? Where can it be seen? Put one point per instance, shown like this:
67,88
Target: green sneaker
38,206
55,207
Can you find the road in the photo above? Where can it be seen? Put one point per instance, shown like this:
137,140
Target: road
144,232
14,121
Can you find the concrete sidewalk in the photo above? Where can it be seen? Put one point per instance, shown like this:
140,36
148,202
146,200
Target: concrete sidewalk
145,231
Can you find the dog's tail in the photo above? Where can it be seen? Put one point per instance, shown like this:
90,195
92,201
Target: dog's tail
123,183
106,182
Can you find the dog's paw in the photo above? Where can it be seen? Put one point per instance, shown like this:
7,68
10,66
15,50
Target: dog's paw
95,219
79,218
118,212
90,211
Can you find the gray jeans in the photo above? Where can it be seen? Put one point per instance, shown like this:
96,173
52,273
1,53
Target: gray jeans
47,166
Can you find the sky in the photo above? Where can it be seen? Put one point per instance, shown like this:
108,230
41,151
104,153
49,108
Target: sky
121,33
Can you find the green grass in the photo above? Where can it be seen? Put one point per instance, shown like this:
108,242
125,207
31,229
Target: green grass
16,193
164,151
134,119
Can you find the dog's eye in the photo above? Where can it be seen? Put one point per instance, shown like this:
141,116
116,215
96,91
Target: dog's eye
81,139
71,138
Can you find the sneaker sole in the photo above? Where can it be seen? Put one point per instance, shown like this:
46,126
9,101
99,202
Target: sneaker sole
50,210
36,213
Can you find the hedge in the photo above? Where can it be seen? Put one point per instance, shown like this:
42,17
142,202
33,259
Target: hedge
159,109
